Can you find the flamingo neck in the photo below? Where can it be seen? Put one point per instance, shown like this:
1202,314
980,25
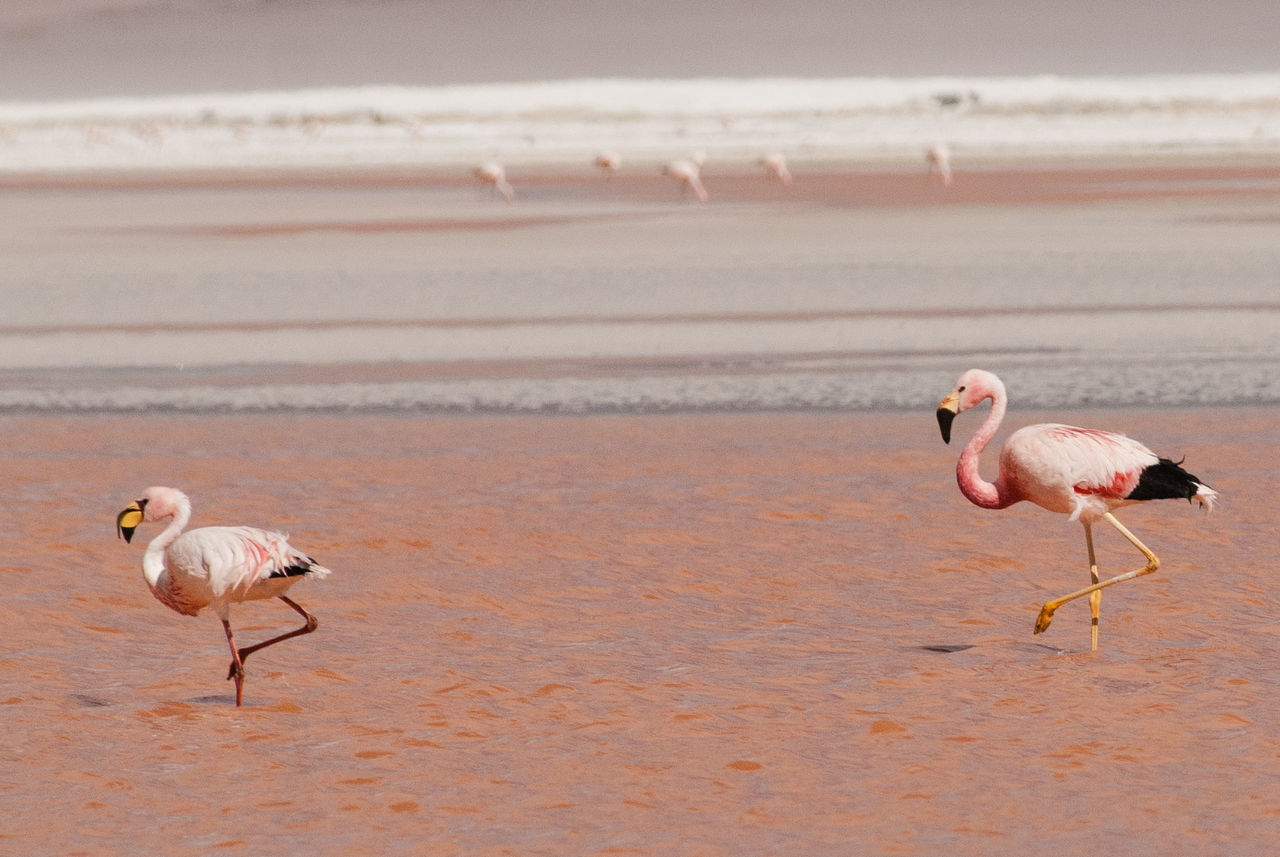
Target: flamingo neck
988,495
153,559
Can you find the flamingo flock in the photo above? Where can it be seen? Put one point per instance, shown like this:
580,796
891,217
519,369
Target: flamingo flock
687,172
1082,473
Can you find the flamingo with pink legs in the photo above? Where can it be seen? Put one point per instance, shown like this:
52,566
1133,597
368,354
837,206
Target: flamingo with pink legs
775,166
689,175
938,157
216,567
608,162
1083,473
492,173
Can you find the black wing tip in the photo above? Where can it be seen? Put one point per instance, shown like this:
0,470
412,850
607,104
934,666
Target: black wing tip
295,570
1167,480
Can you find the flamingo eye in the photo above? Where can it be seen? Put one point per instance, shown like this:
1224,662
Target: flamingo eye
960,390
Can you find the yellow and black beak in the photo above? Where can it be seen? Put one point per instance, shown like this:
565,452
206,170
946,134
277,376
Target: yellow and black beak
128,520
947,410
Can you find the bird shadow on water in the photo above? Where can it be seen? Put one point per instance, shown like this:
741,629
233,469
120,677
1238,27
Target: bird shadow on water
953,648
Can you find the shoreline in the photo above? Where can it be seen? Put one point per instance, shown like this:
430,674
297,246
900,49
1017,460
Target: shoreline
982,181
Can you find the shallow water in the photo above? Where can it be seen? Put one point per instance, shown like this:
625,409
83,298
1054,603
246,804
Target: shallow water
584,299
708,634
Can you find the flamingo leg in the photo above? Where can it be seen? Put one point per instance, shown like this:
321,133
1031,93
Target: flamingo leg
1046,612
238,655
1095,597
237,663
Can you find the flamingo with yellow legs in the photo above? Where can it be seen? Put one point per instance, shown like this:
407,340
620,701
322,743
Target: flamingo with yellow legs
1082,473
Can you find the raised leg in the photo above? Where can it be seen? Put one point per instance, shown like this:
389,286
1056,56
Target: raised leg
238,655
1046,612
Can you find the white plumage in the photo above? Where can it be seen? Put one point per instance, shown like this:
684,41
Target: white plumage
216,567
1079,472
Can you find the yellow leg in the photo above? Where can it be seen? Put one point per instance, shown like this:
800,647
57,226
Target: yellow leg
1095,597
1046,612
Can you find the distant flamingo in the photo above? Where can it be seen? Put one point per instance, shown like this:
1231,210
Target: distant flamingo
938,157
608,163
216,567
689,175
492,173
775,165
1084,473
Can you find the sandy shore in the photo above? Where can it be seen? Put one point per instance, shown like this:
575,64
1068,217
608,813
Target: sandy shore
711,635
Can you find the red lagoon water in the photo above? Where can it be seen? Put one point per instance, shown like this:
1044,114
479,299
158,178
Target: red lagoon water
669,635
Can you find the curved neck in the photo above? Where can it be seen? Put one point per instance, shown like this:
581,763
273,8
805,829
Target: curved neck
988,495
153,559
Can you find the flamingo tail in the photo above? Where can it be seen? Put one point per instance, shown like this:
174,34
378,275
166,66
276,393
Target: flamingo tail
1167,480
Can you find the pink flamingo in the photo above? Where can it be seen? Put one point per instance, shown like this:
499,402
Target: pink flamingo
775,165
608,163
938,157
216,567
1083,473
689,175
492,173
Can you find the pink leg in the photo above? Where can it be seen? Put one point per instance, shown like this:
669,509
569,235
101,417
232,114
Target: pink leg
237,664
238,655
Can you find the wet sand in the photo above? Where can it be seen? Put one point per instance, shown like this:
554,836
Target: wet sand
669,635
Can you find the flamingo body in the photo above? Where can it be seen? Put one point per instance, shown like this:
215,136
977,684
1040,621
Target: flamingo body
220,566
1083,473
216,567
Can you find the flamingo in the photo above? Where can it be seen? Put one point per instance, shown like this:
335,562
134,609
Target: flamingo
608,163
1083,473
216,567
775,165
492,173
689,175
938,157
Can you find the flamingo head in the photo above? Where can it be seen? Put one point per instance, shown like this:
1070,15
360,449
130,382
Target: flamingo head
155,504
971,388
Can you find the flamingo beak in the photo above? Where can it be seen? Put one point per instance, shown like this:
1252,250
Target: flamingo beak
127,521
947,410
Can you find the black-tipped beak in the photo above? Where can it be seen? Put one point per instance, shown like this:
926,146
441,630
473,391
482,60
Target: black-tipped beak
945,416
127,521
947,411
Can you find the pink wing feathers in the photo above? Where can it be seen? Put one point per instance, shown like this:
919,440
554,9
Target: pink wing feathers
240,563
1073,470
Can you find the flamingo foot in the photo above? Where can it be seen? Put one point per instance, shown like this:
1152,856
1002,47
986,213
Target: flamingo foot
1045,617
237,672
